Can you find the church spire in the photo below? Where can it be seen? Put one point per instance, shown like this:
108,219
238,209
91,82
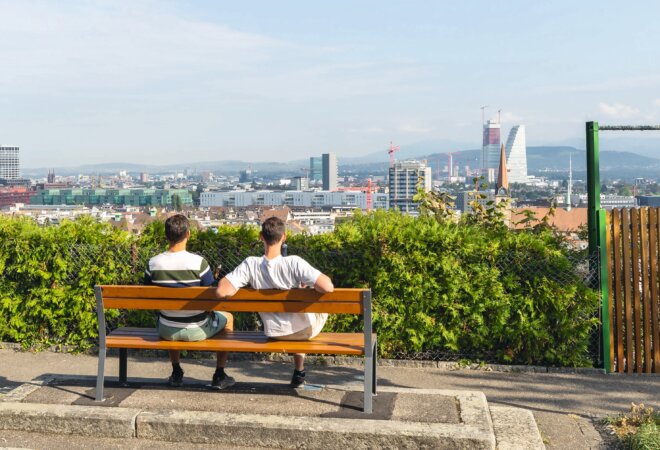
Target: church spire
502,176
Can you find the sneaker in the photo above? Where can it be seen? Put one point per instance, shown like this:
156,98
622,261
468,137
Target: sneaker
176,379
298,379
221,381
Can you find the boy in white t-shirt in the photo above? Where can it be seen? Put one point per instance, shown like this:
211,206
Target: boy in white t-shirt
274,271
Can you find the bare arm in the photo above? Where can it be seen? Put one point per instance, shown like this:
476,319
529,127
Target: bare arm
324,284
225,289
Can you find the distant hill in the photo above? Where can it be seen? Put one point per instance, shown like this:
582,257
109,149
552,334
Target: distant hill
612,163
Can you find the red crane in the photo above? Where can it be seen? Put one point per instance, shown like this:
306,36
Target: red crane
368,190
393,148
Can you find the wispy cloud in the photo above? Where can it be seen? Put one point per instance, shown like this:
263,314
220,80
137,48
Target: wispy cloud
618,110
111,44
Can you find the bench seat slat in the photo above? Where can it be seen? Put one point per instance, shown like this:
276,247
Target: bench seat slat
234,306
241,341
208,293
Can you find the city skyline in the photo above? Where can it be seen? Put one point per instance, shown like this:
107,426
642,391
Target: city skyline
108,81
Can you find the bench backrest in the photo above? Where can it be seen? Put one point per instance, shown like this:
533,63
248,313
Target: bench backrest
341,301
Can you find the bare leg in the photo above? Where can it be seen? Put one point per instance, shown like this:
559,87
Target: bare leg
222,356
299,360
175,357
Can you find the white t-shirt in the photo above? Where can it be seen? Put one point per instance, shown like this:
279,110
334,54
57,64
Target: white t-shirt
281,272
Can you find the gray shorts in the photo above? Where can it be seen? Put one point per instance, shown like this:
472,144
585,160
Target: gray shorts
215,323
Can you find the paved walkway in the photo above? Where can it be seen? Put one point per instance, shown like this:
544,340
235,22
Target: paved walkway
564,404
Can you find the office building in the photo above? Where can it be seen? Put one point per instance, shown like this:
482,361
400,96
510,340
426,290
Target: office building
330,171
652,201
617,201
516,155
119,197
404,178
305,199
9,167
13,195
300,183
246,176
315,169
490,151
464,200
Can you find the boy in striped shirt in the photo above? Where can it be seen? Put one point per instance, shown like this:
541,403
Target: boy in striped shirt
178,268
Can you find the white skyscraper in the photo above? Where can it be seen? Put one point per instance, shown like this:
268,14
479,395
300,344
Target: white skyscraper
9,168
516,155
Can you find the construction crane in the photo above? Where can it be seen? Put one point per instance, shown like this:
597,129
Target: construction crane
393,148
368,189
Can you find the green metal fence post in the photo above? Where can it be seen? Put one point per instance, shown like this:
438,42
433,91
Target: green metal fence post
593,186
596,223
604,289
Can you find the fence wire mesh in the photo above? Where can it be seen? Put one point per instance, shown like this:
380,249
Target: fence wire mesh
131,262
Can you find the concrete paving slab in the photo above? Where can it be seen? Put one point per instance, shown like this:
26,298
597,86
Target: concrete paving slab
41,441
426,408
255,398
561,431
310,433
64,419
242,399
515,429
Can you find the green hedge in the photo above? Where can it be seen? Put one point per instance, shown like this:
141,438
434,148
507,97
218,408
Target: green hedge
437,286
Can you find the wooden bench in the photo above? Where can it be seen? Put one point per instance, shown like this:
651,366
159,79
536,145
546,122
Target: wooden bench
341,301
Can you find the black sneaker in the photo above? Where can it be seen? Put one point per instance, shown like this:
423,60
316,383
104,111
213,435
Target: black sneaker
176,379
221,381
298,379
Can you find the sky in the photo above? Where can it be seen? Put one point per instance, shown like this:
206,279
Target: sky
164,82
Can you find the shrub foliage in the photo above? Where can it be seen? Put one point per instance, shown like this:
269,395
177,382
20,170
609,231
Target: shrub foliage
437,285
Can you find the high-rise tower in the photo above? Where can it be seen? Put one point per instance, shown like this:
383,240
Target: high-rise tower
9,167
490,152
516,155
330,171
403,180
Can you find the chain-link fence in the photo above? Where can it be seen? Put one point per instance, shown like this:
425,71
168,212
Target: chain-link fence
523,268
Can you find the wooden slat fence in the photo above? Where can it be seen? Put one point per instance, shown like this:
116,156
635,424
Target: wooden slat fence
633,248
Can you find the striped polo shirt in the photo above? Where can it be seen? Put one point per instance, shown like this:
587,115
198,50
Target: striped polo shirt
179,269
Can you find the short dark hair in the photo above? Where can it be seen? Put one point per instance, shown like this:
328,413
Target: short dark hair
272,230
176,228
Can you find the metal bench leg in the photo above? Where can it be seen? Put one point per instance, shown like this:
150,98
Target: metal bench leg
100,375
369,342
98,293
123,366
368,384
375,366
